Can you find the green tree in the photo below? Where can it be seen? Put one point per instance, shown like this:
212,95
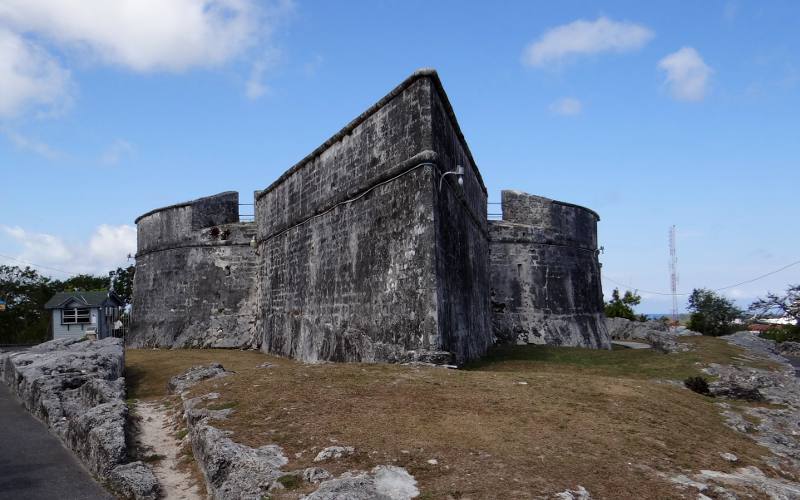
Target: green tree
25,292
779,305
122,283
84,282
712,314
622,307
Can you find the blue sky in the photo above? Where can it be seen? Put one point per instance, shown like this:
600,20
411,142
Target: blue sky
651,113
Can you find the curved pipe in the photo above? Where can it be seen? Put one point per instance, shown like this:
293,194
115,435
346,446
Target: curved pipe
459,171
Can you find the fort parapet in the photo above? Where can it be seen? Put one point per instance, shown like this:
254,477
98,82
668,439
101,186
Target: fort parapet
375,247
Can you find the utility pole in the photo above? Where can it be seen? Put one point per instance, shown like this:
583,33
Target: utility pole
673,273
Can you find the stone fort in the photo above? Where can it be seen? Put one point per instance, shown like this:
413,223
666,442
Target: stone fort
375,247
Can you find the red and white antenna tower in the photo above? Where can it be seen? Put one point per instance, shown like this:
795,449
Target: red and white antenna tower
673,274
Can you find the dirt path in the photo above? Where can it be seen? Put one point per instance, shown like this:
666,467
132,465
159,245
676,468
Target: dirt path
156,438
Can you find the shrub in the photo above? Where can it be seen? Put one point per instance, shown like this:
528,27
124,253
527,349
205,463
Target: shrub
698,385
289,481
784,333
712,314
622,306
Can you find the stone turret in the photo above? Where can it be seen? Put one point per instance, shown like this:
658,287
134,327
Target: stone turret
195,276
545,273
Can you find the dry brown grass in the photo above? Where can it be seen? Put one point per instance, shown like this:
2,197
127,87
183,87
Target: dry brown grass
521,425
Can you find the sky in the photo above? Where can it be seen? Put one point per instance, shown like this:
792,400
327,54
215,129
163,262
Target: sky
651,113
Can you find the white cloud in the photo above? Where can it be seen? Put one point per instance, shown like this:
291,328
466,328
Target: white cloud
108,247
30,144
255,86
29,77
116,152
567,106
112,244
41,248
737,293
687,75
143,35
585,37
140,35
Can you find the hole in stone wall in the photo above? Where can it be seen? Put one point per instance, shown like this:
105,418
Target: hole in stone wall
214,232
498,307
72,382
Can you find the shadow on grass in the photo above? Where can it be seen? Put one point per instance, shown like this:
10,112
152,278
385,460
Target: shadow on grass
619,362
134,376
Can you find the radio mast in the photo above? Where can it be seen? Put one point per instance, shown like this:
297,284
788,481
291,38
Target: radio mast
673,273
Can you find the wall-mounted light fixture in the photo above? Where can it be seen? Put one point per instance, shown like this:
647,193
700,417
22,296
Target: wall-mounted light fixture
459,171
254,244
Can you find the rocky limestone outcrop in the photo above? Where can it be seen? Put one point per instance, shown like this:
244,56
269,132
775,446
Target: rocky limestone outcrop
332,452
710,484
767,425
133,480
735,382
756,346
772,426
231,470
195,374
384,482
655,333
234,471
789,348
580,493
77,388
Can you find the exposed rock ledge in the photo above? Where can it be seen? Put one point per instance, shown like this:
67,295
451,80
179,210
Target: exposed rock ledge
654,333
776,426
234,471
76,387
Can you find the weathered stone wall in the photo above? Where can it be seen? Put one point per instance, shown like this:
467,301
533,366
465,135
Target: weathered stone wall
365,252
545,274
195,274
462,247
352,239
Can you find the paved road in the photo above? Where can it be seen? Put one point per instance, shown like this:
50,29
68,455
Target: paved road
34,465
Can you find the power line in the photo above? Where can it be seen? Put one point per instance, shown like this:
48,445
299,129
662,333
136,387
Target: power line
787,266
39,265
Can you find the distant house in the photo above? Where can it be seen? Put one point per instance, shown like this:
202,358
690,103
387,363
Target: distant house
759,327
786,320
75,314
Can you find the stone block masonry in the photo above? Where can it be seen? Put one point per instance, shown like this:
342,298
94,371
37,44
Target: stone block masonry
195,274
363,251
365,257
546,274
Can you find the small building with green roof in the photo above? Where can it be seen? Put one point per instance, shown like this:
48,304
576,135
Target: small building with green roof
79,313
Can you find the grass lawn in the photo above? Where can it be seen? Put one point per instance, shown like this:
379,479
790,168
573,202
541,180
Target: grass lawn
524,422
